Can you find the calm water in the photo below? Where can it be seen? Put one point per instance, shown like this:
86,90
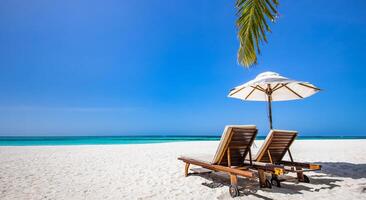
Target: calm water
86,140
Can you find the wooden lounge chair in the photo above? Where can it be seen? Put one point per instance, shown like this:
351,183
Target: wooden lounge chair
273,150
230,157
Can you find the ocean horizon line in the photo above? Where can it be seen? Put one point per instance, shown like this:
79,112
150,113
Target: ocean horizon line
116,140
169,135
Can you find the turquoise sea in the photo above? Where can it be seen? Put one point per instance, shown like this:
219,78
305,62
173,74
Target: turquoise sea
100,140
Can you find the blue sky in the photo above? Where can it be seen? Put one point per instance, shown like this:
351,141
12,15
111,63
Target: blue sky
166,67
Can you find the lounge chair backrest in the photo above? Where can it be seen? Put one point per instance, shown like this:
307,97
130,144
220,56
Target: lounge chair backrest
239,139
275,146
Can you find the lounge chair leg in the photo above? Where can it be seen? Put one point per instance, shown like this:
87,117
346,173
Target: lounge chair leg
233,189
233,179
262,178
300,175
186,169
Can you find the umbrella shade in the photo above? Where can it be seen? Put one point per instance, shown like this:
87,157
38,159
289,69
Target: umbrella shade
270,83
270,86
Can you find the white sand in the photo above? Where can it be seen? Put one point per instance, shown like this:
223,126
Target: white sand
152,171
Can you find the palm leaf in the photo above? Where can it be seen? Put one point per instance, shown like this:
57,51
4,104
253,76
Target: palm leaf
252,25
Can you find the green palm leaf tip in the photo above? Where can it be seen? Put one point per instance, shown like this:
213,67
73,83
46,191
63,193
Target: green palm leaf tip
252,27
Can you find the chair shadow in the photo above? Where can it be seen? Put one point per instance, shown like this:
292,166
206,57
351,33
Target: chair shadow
326,178
251,186
219,179
343,169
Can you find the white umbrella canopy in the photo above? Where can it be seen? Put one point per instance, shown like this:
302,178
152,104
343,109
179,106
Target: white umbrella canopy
270,86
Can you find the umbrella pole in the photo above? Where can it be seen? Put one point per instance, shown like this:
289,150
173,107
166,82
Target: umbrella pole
270,110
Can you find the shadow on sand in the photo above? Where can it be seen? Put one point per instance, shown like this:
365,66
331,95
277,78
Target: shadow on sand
251,186
343,169
324,179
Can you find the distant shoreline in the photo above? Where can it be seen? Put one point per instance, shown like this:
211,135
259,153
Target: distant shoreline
115,140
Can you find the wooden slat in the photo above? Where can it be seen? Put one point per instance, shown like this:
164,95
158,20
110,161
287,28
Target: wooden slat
281,140
279,132
278,147
236,156
241,143
286,143
246,138
238,146
283,137
244,130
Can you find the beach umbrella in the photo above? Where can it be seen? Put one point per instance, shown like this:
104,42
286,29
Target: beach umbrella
270,86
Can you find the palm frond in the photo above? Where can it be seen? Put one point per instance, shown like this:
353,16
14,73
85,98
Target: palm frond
252,24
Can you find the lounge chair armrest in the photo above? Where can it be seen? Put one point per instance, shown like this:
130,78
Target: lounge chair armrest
241,172
276,169
302,165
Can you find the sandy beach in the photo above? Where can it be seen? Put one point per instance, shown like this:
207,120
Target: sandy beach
152,171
